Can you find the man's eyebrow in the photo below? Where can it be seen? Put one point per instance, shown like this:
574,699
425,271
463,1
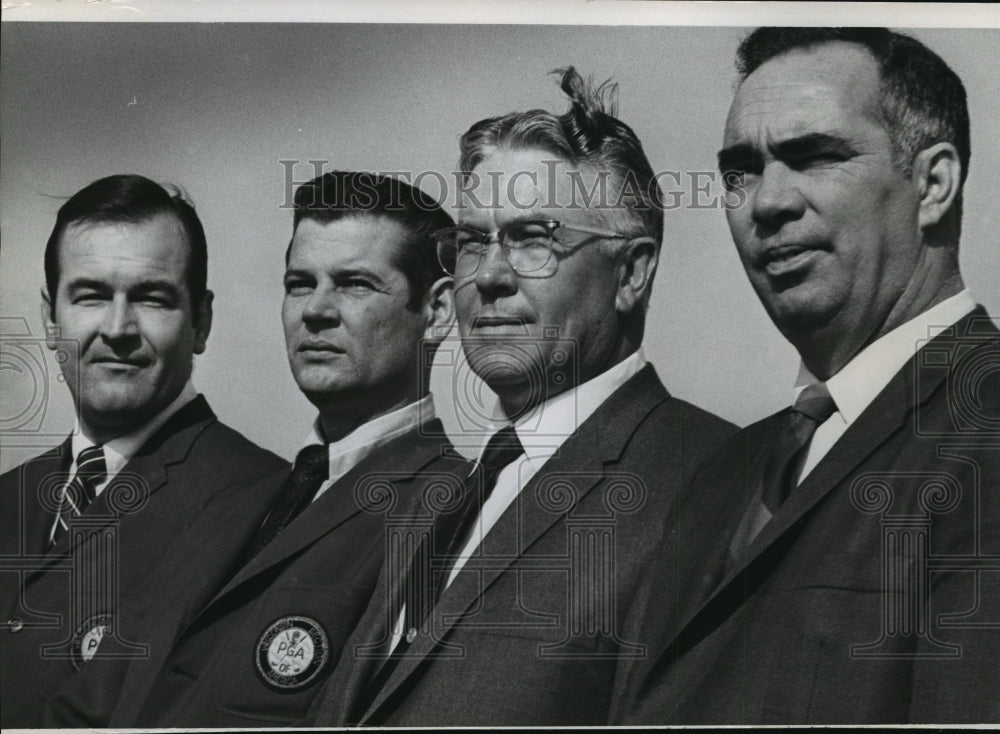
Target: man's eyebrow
148,286
80,284
736,156
296,273
339,273
519,219
472,225
811,143
348,272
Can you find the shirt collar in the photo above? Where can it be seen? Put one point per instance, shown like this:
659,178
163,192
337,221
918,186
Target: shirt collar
858,382
543,430
119,451
371,435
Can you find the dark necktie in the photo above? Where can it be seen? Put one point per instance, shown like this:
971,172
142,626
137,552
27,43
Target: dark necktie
311,469
422,585
78,493
451,528
813,406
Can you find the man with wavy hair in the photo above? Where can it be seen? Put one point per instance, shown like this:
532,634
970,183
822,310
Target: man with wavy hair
517,617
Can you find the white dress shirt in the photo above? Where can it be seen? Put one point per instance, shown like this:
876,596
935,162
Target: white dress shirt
119,451
348,452
542,432
858,382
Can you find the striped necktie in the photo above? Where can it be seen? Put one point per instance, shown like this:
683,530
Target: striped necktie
78,493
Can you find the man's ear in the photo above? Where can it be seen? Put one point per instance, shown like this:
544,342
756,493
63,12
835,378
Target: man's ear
938,173
202,322
48,320
439,308
636,268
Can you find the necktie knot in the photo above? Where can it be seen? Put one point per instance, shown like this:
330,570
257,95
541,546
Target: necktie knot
310,470
813,406
90,464
502,448
312,464
422,585
815,403
79,492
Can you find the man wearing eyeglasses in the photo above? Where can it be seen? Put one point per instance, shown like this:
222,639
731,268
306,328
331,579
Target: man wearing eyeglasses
521,620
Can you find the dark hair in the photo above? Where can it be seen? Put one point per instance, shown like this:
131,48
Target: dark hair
130,199
922,99
342,194
587,133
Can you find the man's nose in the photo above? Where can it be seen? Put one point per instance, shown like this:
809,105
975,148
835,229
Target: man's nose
495,273
322,305
120,320
776,198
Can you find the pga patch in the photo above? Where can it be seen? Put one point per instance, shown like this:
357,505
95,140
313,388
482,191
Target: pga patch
87,639
291,652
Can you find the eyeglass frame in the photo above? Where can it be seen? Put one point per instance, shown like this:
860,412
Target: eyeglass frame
551,225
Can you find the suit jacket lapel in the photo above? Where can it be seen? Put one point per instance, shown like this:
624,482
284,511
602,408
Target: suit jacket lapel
343,500
599,441
411,451
36,520
146,472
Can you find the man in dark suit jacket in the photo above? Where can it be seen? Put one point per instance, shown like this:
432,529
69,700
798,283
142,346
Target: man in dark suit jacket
870,592
86,523
366,304
526,596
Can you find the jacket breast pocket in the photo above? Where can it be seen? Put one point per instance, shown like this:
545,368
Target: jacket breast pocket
283,651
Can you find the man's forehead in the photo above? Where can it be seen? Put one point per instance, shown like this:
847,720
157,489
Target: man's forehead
350,240
529,182
161,222
804,91
160,237
828,62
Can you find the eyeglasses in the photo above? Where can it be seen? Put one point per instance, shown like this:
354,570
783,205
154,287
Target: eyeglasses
527,246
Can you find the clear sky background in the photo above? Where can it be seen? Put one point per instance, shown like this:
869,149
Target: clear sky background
214,107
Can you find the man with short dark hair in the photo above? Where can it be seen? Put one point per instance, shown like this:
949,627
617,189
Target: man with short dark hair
852,574
513,616
366,305
85,524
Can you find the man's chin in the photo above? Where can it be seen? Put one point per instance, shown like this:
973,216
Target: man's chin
799,310
118,417
500,374
328,392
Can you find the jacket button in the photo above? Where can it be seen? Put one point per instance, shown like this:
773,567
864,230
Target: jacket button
15,624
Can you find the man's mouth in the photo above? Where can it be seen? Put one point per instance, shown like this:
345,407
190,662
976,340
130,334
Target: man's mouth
318,346
784,260
506,323
122,362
